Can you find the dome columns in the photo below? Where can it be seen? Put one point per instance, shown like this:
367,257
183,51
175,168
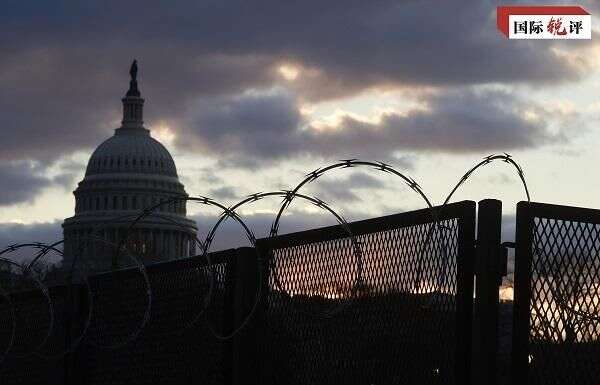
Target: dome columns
133,112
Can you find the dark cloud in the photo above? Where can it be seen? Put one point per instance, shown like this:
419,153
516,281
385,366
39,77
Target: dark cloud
57,100
226,193
70,172
207,175
364,181
355,43
21,182
334,191
268,126
13,233
63,66
259,123
49,108
344,190
455,121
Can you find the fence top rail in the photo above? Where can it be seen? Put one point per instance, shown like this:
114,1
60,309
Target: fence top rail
560,212
367,226
216,257
55,291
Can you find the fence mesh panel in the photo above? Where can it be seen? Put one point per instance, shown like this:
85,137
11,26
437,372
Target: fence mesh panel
564,302
396,312
386,315
175,347
32,316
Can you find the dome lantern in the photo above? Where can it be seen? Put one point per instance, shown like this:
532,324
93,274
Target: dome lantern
133,105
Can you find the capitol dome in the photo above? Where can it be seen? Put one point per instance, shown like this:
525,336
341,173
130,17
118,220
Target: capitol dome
127,152
127,173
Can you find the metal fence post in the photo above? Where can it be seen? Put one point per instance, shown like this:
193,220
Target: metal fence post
79,357
521,309
487,282
244,347
229,312
464,293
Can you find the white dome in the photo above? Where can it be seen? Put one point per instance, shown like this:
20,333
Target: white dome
131,151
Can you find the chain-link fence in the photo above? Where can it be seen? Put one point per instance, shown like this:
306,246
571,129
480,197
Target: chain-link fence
31,324
137,331
387,300
556,339
390,303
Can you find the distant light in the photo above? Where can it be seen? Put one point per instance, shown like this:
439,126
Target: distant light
531,116
436,371
289,72
530,358
163,134
507,293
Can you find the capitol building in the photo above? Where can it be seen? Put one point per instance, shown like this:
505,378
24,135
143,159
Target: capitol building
128,172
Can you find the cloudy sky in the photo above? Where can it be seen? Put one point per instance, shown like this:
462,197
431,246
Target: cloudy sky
250,96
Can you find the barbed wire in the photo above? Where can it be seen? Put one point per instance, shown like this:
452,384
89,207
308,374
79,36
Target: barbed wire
230,212
507,158
13,324
347,163
272,270
204,245
148,290
554,284
79,256
43,289
387,169
43,250
554,287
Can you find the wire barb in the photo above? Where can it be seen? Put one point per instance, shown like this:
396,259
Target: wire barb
287,197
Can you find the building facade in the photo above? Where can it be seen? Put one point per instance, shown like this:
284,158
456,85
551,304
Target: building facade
127,173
